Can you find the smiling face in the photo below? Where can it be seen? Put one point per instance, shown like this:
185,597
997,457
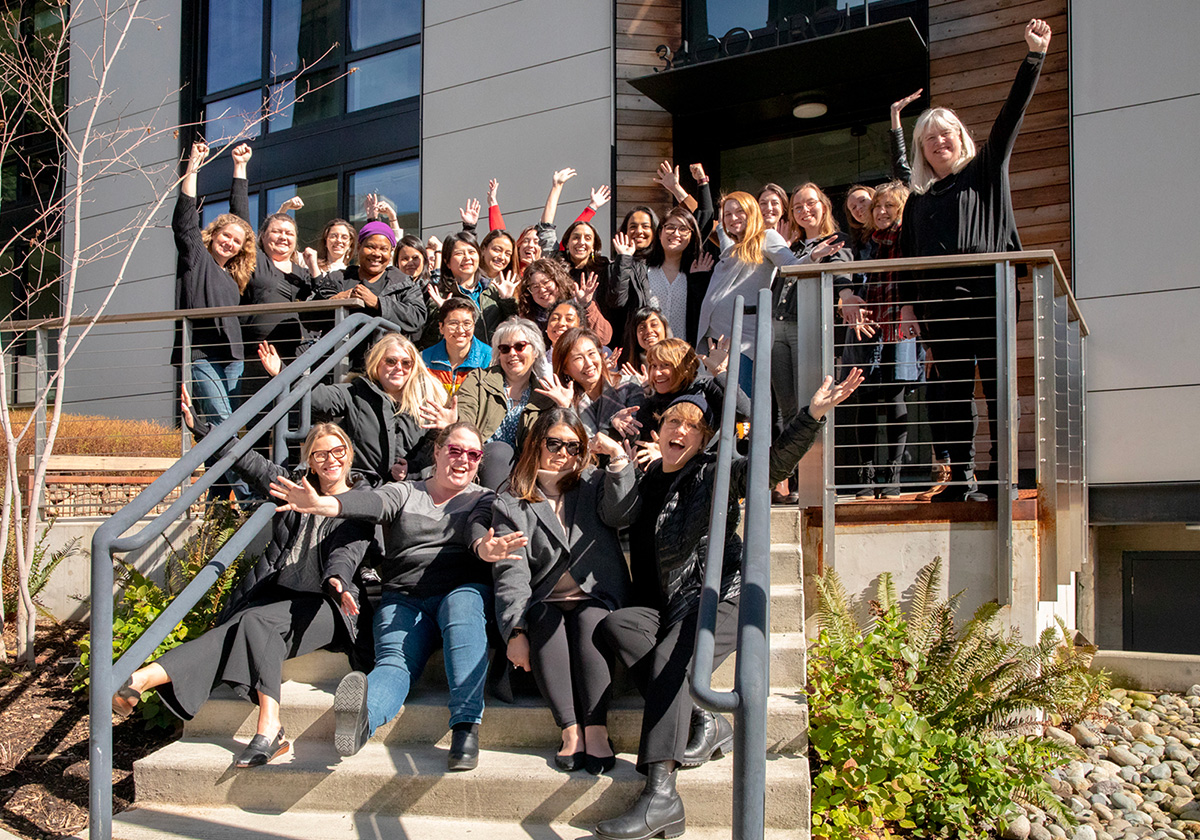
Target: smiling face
585,364
772,209
463,262
581,244
651,331
640,229
394,369
560,436
733,219
858,203
497,256
279,239
410,260
809,211
942,148
374,256
674,236
329,461
542,289
528,247
458,329
562,318
227,243
886,211
456,461
679,441
337,242
518,361
662,377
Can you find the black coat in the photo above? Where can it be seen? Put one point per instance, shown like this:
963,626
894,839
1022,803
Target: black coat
401,301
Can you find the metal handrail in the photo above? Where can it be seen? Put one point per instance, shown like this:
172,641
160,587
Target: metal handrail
293,307
106,675
748,700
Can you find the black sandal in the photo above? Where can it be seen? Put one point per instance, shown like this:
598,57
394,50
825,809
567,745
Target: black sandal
260,751
126,692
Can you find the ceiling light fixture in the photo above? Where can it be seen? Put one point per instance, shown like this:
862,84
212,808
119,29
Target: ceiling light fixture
809,109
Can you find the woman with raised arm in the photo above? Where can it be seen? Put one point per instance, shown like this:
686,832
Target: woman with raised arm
380,409
668,178
582,381
335,249
543,285
553,590
302,596
433,585
215,266
672,366
461,275
962,204
667,543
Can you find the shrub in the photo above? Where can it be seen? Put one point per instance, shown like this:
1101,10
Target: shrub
39,574
141,601
91,434
920,730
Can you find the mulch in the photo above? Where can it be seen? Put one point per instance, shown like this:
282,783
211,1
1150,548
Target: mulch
44,741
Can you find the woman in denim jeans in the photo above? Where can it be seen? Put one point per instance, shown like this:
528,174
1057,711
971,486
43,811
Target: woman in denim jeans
434,585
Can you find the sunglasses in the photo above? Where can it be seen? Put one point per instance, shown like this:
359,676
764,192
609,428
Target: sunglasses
403,364
320,456
518,346
555,445
472,455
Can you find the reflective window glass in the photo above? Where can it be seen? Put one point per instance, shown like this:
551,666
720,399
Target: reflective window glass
226,119
212,209
384,78
397,183
379,21
302,32
235,37
318,99
723,15
320,205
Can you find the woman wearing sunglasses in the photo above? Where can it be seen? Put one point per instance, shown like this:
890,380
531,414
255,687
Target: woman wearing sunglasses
553,591
303,595
434,586
501,400
381,409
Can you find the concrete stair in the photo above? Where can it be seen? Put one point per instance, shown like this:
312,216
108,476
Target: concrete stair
397,785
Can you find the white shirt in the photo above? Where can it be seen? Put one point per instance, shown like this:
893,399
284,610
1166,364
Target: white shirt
671,297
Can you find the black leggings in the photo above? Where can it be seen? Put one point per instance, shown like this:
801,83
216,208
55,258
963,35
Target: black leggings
659,659
573,674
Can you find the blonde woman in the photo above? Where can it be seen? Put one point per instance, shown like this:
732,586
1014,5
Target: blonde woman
379,410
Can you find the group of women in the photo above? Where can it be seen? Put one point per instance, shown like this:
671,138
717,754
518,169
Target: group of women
495,470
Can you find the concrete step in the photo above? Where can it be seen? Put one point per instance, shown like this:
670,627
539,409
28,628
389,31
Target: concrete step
161,822
785,523
508,786
306,711
785,564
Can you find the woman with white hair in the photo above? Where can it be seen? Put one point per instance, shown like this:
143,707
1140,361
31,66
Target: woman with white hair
961,203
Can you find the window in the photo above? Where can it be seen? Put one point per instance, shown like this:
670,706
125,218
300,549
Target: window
396,183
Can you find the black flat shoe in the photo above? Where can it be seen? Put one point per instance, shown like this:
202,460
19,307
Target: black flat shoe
597,765
570,763
464,749
350,714
260,751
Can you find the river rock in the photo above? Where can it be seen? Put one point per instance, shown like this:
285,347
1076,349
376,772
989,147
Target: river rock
1084,736
1084,832
1018,829
1123,756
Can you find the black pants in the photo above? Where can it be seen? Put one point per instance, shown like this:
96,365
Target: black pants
248,651
572,672
659,659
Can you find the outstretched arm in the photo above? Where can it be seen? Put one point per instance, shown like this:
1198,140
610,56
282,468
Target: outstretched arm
556,184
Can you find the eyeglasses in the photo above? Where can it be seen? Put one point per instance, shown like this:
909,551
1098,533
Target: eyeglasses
459,326
393,361
543,283
517,346
472,455
320,456
811,204
555,445
678,230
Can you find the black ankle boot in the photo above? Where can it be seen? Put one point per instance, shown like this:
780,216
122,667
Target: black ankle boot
710,737
464,747
658,810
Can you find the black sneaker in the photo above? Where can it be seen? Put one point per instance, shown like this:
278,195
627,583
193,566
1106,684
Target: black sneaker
350,713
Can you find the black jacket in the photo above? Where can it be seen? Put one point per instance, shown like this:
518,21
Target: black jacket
401,300
202,283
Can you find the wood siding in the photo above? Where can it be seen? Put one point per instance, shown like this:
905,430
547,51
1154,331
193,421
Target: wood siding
643,129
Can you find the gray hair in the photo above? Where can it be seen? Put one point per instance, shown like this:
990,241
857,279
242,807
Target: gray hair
522,329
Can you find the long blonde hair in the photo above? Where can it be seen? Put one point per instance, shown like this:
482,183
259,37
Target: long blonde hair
241,264
748,249
937,119
420,385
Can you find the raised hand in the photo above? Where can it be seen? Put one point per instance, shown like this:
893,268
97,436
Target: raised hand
717,358
563,394
241,154
269,356
826,247
668,177
829,395
704,262
585,290
697,170
370,205
602,444
600,196
900,104
310,260
612,364
470,213
506,284
562,176
302,498
625,424
434,415
384,210
623,245
493,549
293,203
642,377
185,408
349,607
493,188
198,155
434,295
648,451
1037,35
433,253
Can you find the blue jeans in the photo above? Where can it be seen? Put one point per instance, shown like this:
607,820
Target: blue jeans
406,630
746,375
215,386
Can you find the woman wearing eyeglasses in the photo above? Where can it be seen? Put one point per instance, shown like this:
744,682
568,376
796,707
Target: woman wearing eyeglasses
434,587
501,400
379,410
302,596
564,573
544,284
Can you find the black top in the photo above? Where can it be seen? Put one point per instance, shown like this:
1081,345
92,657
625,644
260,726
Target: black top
643,565
202,283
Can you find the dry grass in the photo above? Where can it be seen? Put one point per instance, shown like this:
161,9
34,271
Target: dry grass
91,434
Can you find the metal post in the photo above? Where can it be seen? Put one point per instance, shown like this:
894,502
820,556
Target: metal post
1006,426
1045,387
828,440
100,693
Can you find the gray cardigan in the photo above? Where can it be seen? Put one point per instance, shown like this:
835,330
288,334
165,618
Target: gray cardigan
602,501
